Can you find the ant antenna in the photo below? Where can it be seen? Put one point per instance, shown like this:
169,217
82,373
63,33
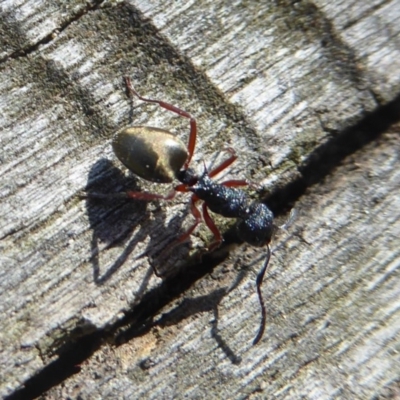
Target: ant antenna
259,280
205,168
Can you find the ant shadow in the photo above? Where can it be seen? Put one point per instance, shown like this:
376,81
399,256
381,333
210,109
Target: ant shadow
138,326
200,304
113,219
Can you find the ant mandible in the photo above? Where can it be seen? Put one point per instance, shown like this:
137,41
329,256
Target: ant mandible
158,156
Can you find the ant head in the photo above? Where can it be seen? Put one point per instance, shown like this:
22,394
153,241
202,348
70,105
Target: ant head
187,176
258,228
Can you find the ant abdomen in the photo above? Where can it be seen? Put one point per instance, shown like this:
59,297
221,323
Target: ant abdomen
153,154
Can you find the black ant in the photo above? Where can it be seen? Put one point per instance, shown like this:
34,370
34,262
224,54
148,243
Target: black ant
156,155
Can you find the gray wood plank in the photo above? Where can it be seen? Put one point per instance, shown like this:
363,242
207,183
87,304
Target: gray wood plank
27,24
257,77
295,78
368,28
333,307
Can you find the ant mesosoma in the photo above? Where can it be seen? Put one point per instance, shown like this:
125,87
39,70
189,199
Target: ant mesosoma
156,155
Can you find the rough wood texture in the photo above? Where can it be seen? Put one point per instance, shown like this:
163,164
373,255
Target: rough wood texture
333,325
283,83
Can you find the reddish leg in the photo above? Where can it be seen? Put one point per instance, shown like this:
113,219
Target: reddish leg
235,183
182,187
211,225
196,213
176,110
225,163
146,196
181,238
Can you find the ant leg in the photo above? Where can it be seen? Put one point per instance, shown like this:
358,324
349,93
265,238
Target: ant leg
224,164
144,196
259,280
174,109
243,182
227,163
196,213
102,196
183,187
211,225
181,238
235,183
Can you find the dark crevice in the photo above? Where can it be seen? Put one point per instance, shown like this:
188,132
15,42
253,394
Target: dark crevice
22,52
372,9
136,322
327,157
312,22
65,366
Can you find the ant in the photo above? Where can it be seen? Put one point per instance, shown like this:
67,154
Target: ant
157,155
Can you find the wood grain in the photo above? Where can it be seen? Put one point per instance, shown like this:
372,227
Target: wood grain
280,82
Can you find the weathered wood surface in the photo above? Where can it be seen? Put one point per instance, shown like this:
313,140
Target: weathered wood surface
280,82
334,308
